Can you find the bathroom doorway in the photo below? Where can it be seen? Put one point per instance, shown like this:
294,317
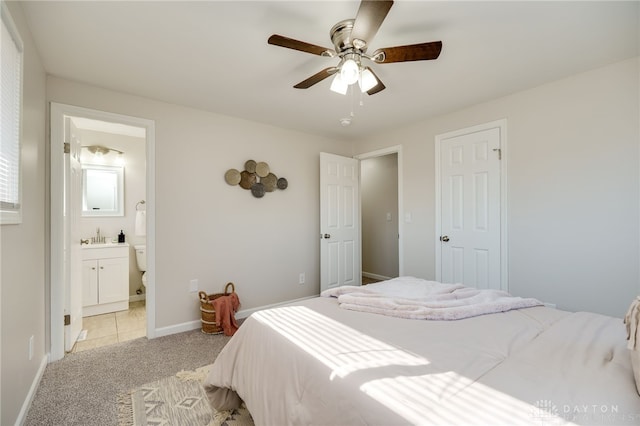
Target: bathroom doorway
105,141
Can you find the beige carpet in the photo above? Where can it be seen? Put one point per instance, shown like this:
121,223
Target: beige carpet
176,400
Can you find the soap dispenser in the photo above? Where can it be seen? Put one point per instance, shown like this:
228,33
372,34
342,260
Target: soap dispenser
121,237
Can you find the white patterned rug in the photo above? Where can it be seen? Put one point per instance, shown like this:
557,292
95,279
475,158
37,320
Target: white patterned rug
176,400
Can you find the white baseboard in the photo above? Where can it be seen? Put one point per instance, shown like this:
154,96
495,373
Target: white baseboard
375,276
244,313
22,415
178,328
137,297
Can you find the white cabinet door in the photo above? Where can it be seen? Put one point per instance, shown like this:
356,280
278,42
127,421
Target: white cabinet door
113,280
89,282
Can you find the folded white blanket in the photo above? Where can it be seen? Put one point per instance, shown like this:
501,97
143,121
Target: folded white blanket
411,298
632,320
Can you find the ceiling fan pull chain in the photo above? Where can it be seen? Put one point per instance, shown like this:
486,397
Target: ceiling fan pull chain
353,100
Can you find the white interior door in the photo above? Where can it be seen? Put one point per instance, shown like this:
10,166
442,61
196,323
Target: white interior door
72,236
339,221
470,209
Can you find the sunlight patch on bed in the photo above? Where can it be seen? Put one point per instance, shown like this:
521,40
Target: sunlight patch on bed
424,396
413,398
341,348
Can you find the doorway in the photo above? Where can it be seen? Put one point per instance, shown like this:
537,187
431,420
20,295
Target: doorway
381,211
91,129
379,195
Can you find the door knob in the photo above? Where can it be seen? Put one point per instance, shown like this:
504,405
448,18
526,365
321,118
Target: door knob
444,238
327,235
84,241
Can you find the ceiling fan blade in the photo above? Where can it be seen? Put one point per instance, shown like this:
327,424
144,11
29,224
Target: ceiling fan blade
316,78
378,87
278,40
412,52
368,20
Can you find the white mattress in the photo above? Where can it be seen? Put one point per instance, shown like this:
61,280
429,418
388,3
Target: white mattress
314,363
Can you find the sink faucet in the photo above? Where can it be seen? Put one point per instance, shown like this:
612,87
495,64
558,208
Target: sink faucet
97,239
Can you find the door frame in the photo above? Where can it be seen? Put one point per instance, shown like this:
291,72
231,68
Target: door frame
57,112
396,149
501,125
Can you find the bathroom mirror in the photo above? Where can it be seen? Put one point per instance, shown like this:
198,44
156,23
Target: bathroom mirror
102,190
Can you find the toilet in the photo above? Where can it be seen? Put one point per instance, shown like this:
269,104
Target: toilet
141,260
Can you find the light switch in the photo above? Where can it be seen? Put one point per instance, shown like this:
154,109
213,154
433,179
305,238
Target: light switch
407,217
388,217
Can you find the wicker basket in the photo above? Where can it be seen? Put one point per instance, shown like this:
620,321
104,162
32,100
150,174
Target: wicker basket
208,313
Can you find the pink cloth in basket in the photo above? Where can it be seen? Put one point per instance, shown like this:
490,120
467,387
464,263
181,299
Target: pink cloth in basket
226,307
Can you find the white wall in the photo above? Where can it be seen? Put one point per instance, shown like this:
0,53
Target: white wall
213,232
134,191
573,188
22,261
379,194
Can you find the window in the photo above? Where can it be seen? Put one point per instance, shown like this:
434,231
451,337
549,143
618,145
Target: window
10,119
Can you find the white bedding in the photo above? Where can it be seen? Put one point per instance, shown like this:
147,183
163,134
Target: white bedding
314,363
413,298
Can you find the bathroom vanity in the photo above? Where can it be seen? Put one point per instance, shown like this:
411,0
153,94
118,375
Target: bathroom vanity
105,278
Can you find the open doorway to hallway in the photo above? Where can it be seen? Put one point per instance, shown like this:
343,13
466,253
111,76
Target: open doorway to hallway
380,217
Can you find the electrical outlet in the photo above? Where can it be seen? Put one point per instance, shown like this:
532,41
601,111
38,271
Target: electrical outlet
193,285
301,278
30,348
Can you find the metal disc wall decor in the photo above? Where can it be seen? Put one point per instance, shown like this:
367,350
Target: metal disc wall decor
250,166
269,182
262,169
257,189
232,177
282,183
247,179
256,177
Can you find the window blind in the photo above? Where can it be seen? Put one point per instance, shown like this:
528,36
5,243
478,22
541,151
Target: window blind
10,116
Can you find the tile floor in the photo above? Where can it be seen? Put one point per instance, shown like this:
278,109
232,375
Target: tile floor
115,327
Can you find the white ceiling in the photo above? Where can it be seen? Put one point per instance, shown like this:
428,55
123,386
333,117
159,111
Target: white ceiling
213,55
108,127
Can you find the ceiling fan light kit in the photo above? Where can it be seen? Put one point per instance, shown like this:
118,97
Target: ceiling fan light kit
338,85
367,80
351,38
350,71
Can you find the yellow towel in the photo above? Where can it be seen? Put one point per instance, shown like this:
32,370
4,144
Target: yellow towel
632,320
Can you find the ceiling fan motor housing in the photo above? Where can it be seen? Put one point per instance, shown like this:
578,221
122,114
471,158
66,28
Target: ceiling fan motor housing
341,37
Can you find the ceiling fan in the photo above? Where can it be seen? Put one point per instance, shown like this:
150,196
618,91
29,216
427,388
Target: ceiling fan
351,38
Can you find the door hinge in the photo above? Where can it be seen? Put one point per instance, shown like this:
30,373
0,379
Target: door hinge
67,319
67,148
499,151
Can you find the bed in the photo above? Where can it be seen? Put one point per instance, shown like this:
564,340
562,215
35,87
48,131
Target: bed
316,363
